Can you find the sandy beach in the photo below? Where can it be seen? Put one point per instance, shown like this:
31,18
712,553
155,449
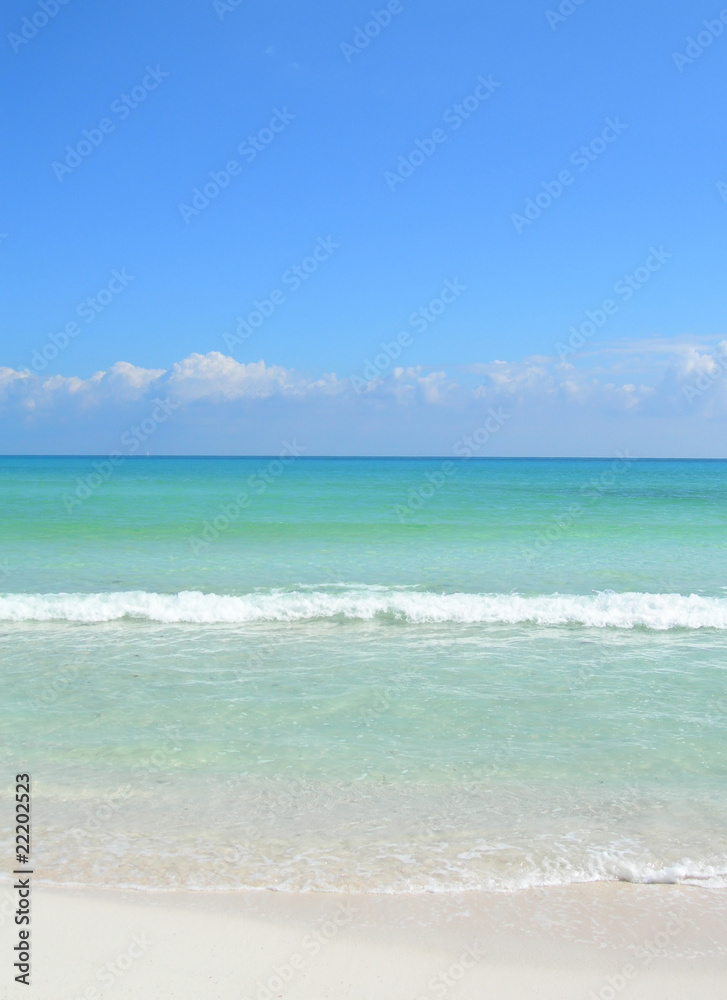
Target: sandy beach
602,940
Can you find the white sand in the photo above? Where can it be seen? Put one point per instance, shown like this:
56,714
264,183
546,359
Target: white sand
599,940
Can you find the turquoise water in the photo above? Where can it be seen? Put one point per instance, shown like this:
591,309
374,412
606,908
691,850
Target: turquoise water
386,675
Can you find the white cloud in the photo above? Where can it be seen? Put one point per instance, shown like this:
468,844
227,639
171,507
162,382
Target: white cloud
688,381
217,376
122,382
9,378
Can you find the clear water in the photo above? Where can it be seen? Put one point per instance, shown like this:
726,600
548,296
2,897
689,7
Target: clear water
370,674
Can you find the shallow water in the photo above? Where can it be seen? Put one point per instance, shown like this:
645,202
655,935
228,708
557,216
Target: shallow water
517,680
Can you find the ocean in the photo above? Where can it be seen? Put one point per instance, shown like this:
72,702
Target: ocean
378,675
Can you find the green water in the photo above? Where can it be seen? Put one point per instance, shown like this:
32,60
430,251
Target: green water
375,674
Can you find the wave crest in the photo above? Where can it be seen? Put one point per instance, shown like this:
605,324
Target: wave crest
601,610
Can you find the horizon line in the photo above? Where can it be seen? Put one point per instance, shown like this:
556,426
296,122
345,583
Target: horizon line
396,458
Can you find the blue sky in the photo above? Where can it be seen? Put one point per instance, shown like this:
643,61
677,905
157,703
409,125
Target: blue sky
352,236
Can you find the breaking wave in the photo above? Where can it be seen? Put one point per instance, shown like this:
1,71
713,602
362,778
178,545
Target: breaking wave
364,603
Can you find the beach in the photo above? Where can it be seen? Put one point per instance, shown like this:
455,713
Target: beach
363,495
564,943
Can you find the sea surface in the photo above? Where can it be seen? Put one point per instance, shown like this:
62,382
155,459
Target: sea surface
366,674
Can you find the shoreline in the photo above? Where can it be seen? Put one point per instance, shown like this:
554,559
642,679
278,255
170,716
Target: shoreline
597,939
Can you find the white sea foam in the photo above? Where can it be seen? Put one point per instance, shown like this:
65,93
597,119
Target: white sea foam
601,610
